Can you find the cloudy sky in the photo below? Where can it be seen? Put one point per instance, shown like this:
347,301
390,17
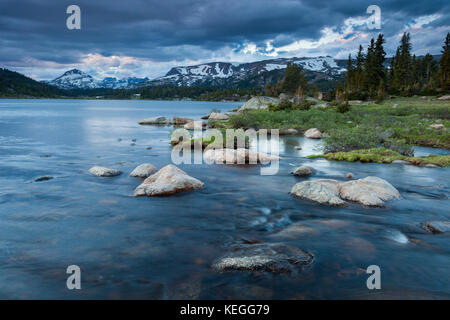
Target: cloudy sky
146,37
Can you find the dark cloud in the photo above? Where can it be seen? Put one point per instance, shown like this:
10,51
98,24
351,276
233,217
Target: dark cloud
34,31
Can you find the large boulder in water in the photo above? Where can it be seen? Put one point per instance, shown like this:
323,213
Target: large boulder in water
370,191
195,124
168,180
273,257
104,172
321,191
313,133
144,170
257,103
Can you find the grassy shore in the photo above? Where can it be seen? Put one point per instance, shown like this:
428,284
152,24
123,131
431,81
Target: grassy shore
394,124
383,155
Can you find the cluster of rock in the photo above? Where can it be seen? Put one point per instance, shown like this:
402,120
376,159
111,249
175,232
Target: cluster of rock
237,156
370,191
166,181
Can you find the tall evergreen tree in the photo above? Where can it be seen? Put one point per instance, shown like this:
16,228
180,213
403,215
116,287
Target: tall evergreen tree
445,65
402,69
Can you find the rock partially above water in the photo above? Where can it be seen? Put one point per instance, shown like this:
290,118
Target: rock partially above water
436,226
154,120
321,191
313,133
168,180
349,175
370,191
303,171
195,124
43,178
218,116
180,121
144,170
274,257
104,172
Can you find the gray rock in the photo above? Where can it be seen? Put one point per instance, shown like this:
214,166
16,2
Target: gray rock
284,97
257,103
349,175
436,226
321,191
104,172
195,124
430,165
303,171
144,170
154,120
292,131
298,148
274,257
313,133
218,116
447,97
168,180
370,191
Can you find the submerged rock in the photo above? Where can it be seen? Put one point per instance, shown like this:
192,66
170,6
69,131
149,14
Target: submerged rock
313,133
168,180
436,226
218,116
370,191
104,172
154,120
143,171
43,178
274,257
303,171
321,191
257,103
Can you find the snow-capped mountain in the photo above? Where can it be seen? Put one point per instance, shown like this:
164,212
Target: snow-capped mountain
220,73
74,79
77,79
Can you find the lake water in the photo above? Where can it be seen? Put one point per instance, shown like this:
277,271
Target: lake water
163,247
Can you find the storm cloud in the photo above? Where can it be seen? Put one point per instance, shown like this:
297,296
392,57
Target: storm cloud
146,38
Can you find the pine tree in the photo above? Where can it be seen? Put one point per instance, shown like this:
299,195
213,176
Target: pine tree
358,72
350,76
445,65
402,68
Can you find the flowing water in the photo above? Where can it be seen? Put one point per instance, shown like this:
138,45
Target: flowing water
163,247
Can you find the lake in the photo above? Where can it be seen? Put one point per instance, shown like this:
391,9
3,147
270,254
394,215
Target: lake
163,247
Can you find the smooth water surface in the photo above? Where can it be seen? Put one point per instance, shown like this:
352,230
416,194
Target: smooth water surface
163,247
